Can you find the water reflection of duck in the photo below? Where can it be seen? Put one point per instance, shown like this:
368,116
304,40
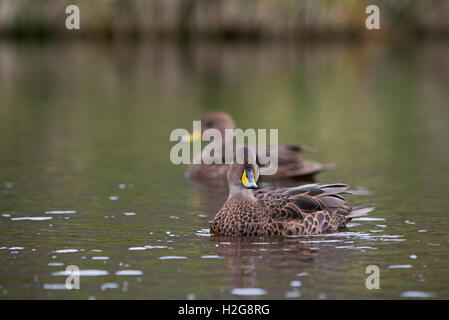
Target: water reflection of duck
308,209
251,259
290,163
229,246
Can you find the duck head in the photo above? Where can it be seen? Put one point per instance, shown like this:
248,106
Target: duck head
213,120
243,173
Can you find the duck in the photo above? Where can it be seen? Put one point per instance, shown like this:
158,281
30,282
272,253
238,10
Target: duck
276,211
290,163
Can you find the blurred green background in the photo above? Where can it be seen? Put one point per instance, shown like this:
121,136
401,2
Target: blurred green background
225,19
86,115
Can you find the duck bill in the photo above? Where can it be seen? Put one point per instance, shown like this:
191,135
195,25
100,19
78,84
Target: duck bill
248,180
195,136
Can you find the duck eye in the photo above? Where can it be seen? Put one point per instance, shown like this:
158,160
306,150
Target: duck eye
208,124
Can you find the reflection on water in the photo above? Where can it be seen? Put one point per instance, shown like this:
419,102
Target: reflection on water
85,177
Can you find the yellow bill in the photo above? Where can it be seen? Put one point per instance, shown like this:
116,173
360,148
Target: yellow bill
248,180
195,136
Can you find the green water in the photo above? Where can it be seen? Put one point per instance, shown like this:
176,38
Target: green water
85,127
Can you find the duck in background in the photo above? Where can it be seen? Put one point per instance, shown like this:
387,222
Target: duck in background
290,163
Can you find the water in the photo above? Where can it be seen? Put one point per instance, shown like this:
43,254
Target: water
85,176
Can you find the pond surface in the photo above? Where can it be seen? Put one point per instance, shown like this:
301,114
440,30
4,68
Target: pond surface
86,180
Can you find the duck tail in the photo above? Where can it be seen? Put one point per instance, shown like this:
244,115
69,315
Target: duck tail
361,211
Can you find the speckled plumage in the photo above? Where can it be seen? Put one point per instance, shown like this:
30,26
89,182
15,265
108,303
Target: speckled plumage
272,211
305,210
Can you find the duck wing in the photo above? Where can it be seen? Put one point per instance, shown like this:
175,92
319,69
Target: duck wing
296,203
287,154
308,209
302,168
290,163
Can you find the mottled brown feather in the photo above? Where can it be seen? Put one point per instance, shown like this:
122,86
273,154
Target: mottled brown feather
305,210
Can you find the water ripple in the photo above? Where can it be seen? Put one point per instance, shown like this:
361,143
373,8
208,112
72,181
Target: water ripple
82,273
31,218
172,257
129,273
248,292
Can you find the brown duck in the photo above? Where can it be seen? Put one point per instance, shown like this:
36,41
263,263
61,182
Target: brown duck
290,163
304,210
